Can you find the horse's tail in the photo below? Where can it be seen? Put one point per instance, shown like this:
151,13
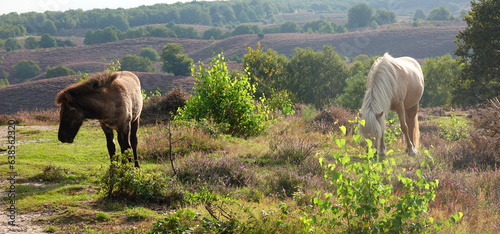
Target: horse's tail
416,133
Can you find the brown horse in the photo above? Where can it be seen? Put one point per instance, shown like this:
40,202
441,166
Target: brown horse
113,99
393,84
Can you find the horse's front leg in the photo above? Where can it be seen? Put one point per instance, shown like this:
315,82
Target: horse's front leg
109,140
404,128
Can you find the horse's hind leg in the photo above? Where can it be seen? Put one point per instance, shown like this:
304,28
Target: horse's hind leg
412,120
133,139
109,140
404,128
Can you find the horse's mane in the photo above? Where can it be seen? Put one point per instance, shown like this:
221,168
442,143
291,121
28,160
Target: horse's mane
381,85
90,85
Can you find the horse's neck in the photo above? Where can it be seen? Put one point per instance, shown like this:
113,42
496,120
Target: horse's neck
92,106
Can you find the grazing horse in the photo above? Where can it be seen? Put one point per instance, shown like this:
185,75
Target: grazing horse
113,99
393,84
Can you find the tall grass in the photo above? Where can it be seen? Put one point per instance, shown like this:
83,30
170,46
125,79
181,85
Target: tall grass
34,117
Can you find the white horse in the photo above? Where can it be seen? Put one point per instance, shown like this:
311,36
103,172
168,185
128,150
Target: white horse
393,84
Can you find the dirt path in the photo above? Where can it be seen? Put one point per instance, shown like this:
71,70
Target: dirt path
24,223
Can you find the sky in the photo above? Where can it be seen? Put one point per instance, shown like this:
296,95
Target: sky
22,6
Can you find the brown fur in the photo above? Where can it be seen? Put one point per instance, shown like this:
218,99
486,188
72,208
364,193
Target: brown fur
114,99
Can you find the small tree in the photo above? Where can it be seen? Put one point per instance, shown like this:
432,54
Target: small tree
359,15
26,69
149,53
12,44
137,63
439,13
289,27
478,49
419,14
316,77
214,33
228,101
439,73
48,41
31,43
265,69
383,16
59,71
175,61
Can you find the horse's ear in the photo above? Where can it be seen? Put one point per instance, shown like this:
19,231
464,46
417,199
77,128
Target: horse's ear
379,115
62,96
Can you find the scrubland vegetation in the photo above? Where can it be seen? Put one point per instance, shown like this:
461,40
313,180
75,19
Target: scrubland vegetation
273,182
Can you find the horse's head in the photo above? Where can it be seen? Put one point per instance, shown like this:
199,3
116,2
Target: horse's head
71,117
373,129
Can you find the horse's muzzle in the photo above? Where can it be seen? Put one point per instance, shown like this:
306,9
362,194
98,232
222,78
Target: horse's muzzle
66,139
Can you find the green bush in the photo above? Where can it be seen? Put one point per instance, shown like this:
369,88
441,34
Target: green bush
149,53
175,61
48,41
31,43
124,180
227,100
59,71
439,13
12,44
365,199
136,63
26,69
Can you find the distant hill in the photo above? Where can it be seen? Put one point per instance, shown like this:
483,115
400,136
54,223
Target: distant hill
402,40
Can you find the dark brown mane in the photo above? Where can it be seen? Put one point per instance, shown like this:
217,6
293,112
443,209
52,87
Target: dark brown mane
91,84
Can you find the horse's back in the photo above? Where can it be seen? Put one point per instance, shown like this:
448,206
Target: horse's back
130,86
411,73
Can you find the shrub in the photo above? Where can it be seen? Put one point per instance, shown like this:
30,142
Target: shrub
332,117
12,44
215,173
126,181
48,41
59,71
164,107
52,173
287,150
149,53
384,16
136,63
227,101
359,15
353,94
175,61
280,102
365,197
439,13
31,43
214,33
26,69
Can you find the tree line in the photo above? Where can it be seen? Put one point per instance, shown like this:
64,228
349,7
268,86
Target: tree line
212,13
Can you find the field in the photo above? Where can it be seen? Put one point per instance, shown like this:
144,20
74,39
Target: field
263,184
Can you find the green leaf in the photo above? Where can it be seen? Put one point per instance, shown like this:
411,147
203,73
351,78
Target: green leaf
343,129
419,173
321,161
